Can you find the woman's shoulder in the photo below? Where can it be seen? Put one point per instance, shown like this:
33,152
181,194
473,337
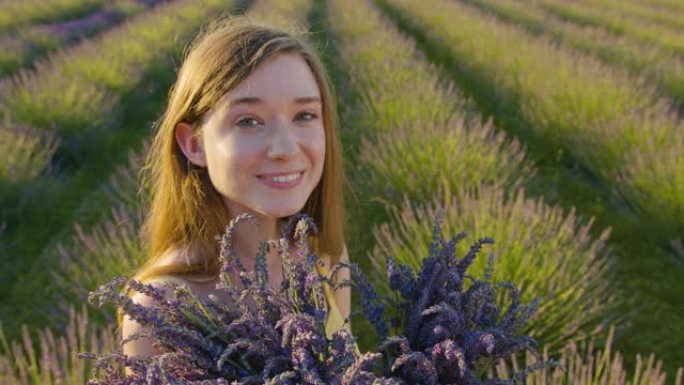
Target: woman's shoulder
162,281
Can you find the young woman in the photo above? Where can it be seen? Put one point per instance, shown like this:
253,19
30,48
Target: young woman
251,127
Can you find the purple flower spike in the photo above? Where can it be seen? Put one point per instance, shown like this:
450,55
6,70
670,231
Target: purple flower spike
401,278
228,258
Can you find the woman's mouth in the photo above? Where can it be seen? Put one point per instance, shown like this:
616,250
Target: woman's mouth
282,181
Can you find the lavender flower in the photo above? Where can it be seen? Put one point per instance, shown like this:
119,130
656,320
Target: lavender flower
370,302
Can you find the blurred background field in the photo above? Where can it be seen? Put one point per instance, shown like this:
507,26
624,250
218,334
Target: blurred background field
553,126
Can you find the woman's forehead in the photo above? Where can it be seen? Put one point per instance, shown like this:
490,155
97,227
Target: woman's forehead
283,78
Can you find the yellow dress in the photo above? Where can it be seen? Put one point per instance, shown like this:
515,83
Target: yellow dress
335,321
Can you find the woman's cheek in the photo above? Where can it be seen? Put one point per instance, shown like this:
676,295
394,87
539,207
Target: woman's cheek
314,137
221,157
245,156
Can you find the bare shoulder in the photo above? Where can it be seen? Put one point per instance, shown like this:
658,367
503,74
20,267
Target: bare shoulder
129,327
142,346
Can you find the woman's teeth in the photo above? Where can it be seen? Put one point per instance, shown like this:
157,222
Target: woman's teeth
285,178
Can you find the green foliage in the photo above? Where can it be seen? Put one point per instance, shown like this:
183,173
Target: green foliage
454,155
111,247
67,104
25,153
15,13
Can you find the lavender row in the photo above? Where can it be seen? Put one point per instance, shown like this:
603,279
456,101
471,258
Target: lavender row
663,68
611,124
426,149
596,15
282,13
77,91
16,13
664,5
646,13
29,43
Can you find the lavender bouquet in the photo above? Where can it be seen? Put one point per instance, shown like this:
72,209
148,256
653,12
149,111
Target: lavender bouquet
442,333
280,340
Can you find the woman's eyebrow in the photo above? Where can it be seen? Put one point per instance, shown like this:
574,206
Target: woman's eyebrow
257,100
307,100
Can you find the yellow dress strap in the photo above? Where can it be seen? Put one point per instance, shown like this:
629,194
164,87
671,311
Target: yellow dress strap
335,320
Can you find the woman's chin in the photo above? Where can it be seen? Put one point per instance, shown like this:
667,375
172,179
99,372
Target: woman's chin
281,213
284,215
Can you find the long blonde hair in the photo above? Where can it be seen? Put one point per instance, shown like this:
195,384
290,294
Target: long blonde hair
185,209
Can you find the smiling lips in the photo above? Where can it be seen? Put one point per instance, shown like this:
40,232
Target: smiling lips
281,180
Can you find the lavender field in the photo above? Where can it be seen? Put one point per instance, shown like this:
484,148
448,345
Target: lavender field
555,127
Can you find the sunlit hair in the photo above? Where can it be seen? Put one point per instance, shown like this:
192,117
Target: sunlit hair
186,212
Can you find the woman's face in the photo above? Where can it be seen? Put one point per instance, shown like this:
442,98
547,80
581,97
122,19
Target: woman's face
264,143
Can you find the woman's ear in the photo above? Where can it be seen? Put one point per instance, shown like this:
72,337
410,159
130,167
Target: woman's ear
190,144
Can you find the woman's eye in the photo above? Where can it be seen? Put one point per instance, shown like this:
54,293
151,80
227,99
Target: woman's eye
306,116
247,122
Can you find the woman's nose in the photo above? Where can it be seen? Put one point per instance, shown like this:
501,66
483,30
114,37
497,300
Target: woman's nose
282,142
